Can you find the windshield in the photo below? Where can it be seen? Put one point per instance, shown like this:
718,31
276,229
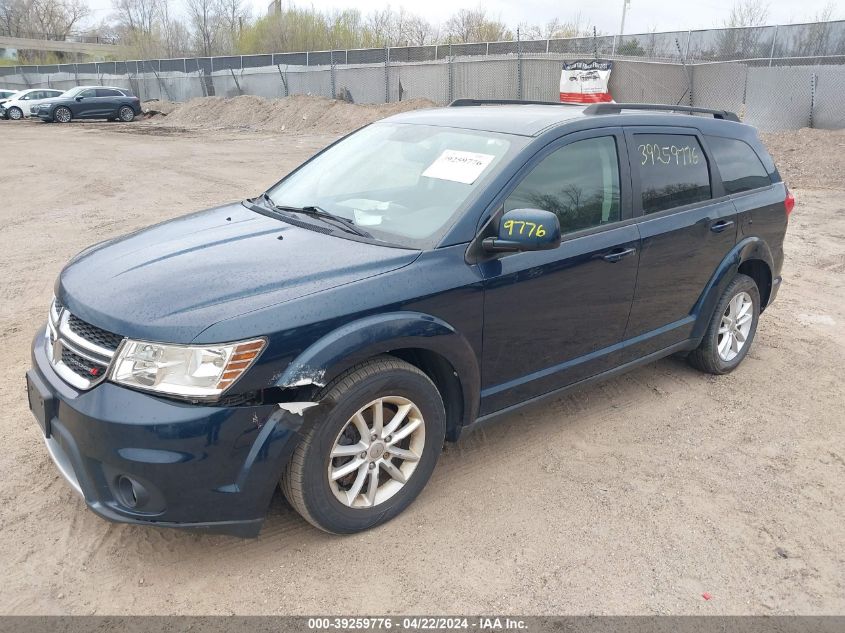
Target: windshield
401,183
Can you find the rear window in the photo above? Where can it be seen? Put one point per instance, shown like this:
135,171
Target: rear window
738,164
673,171
108,92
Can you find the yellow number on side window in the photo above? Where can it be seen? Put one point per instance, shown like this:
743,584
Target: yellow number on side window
541,231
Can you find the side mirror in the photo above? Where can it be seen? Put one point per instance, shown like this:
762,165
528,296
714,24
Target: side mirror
79,98
525,230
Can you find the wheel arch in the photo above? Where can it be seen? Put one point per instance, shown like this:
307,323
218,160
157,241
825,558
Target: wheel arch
425,341
750,256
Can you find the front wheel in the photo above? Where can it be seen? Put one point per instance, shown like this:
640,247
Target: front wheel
126,114
62,115
731,330
15,113
374,451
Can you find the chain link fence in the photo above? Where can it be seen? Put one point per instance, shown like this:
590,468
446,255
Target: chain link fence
771,93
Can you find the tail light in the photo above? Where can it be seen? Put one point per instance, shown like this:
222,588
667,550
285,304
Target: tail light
789,202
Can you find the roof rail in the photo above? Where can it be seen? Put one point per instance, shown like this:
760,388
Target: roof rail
616,108
459,103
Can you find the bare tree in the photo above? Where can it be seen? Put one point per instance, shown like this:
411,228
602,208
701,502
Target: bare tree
206,17
748,13
473,25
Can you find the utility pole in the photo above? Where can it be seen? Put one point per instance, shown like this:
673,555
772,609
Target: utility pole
625,5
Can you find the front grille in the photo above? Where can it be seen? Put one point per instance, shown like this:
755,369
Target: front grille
82,367
81,353
93,334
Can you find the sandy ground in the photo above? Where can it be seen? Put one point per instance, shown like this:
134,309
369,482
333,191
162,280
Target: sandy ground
635,496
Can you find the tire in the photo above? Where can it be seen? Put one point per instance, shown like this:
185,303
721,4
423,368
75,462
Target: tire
335,505
15,113
126,114
62,115
727,340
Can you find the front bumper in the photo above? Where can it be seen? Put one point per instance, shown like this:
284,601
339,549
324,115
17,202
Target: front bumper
198,467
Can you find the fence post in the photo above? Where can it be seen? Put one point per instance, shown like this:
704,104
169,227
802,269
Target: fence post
450,77
284,80
386,74
518,65
813,78
774,39
333,75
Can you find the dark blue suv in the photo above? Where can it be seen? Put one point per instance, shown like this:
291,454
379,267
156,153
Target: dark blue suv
421,275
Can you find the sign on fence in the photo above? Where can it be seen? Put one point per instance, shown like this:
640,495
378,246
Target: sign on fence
585,81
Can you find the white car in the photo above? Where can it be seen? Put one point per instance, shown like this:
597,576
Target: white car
18,105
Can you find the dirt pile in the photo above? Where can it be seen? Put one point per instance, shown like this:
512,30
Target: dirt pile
809,158
291,114
157,107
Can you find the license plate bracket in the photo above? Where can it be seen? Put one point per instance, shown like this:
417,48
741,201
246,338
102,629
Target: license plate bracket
41,402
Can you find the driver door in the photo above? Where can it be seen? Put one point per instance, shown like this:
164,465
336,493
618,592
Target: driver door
84,104
555,317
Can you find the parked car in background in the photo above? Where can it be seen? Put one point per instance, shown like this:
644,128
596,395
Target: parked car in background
90,102
19,105
5,94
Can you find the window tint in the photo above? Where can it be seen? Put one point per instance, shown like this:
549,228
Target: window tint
673,170
88,93
105,92
738,164
579,183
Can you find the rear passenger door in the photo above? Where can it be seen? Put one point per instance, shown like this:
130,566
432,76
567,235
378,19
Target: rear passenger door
107,102
687,226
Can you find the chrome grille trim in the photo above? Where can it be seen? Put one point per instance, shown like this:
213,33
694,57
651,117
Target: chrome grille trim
60,337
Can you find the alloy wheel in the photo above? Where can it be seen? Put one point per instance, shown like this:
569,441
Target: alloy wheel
15,114
126,114
735,326
62,115
376,452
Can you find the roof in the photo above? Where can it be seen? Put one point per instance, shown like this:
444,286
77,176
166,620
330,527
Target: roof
526,120
534,118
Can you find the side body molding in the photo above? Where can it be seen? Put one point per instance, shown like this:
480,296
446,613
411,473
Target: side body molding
355,342
746,249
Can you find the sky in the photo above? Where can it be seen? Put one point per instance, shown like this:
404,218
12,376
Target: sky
642,15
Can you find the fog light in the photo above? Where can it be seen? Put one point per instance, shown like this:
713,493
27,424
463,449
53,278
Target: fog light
131,493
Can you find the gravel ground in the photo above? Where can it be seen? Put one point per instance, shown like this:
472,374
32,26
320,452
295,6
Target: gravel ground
632,497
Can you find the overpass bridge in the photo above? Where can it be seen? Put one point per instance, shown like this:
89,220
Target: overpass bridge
73,44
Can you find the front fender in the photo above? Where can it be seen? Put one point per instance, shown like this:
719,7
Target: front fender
355,342
746,249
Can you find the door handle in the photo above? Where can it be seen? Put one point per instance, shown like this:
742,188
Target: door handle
617,254
721,225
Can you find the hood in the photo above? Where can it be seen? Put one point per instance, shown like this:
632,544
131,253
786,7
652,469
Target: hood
172,281
54,100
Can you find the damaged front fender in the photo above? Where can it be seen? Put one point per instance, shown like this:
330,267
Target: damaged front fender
365,338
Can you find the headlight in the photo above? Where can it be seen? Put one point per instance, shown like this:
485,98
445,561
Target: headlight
191,371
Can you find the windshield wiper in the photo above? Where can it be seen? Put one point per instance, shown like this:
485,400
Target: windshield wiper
314,211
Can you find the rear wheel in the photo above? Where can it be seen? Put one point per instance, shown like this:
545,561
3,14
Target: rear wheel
374,451
15,113
731,330
126,114
62,115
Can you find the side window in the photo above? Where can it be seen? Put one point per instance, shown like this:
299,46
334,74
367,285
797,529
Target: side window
579,183
88,93
105,92
738,164
673,171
